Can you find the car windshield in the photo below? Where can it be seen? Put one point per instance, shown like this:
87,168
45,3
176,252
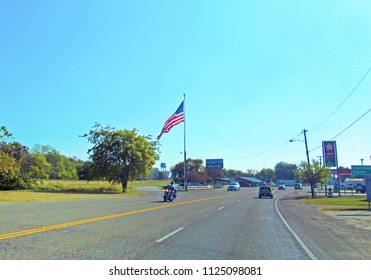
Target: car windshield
265,188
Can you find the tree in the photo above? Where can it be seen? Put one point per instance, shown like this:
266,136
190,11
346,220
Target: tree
35,167
120,155
195,170
4,132
9,171
312,174
285,171
61,166
266,175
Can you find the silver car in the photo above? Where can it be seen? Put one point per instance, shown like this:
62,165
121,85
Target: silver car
234,186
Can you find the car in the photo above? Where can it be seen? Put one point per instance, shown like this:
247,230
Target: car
298,186
361,189
234,186
265,191
282,187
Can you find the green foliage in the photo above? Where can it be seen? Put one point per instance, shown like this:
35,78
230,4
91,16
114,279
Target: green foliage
312,174
4,133
285,171
9,173
120,155
35,167
195,169
61,167
266,174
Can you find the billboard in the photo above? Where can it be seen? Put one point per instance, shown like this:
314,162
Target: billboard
361,170
329,154
214,163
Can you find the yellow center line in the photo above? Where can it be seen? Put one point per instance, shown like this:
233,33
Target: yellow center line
102,218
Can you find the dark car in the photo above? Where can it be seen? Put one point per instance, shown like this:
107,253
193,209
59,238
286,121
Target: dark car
361,189
298,186
265,191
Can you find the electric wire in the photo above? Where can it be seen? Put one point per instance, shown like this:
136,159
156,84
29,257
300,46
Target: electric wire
349,126
342,103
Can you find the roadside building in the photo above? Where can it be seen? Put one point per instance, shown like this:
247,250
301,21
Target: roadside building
220,182
249,181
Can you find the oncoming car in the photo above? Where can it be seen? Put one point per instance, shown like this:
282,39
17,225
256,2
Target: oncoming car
234,186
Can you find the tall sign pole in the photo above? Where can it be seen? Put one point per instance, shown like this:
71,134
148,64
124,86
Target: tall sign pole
184,151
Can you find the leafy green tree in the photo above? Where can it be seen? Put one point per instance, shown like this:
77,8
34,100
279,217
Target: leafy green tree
120,155
156,174
266,174
4,133
312,174
61,166
285,171
35,167
195,170
9,172
15,149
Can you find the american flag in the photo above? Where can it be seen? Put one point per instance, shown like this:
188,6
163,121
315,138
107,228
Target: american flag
176,118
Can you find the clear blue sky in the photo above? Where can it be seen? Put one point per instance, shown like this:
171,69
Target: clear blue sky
255,74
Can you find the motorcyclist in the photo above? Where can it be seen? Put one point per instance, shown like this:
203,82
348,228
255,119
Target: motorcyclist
173,189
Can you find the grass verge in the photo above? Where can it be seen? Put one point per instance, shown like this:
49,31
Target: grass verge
52,190
340,203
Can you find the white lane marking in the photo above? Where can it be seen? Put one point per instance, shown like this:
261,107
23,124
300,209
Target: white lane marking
306,249
170,234
220,208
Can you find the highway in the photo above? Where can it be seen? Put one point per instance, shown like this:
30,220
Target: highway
198,225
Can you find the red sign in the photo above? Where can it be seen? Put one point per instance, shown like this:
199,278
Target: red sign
345,171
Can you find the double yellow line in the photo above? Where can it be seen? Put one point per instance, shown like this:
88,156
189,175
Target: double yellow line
97,219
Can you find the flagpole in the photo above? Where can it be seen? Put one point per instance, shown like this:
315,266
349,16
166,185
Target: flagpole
184,151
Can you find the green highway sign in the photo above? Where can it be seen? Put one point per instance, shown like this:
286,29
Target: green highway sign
361,170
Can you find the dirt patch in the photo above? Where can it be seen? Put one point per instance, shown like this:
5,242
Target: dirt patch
357,218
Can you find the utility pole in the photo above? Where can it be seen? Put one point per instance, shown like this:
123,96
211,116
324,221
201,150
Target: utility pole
306,145
362,161
306,149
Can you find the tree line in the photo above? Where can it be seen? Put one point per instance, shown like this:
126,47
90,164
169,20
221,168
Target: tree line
118,156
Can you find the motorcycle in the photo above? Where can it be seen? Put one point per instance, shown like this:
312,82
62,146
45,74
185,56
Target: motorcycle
169,194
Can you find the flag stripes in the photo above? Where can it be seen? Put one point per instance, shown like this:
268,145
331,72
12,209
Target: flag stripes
173,120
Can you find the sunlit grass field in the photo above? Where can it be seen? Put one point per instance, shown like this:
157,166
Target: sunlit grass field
340,203
62,189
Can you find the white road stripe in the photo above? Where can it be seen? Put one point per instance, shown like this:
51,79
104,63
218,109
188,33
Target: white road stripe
170,234
220,208
306,249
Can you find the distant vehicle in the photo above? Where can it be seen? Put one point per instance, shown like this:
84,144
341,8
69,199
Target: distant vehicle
361,189
234,186
265,191
282,187
298,186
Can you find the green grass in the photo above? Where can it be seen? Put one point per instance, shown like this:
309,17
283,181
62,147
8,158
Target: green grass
62,189
340,203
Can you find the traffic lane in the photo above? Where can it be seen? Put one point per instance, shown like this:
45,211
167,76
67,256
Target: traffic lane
327,238
24,216
119,238
242,228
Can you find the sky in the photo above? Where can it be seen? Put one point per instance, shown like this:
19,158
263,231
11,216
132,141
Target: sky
255,74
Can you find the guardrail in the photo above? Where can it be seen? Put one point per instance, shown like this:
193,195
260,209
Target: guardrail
196,188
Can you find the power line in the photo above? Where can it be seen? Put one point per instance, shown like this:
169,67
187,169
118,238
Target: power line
342,103
349,126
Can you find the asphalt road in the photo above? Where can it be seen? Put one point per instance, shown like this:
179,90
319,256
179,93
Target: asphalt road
208,225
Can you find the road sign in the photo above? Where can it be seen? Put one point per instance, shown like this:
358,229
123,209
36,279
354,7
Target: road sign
361,170
214,163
